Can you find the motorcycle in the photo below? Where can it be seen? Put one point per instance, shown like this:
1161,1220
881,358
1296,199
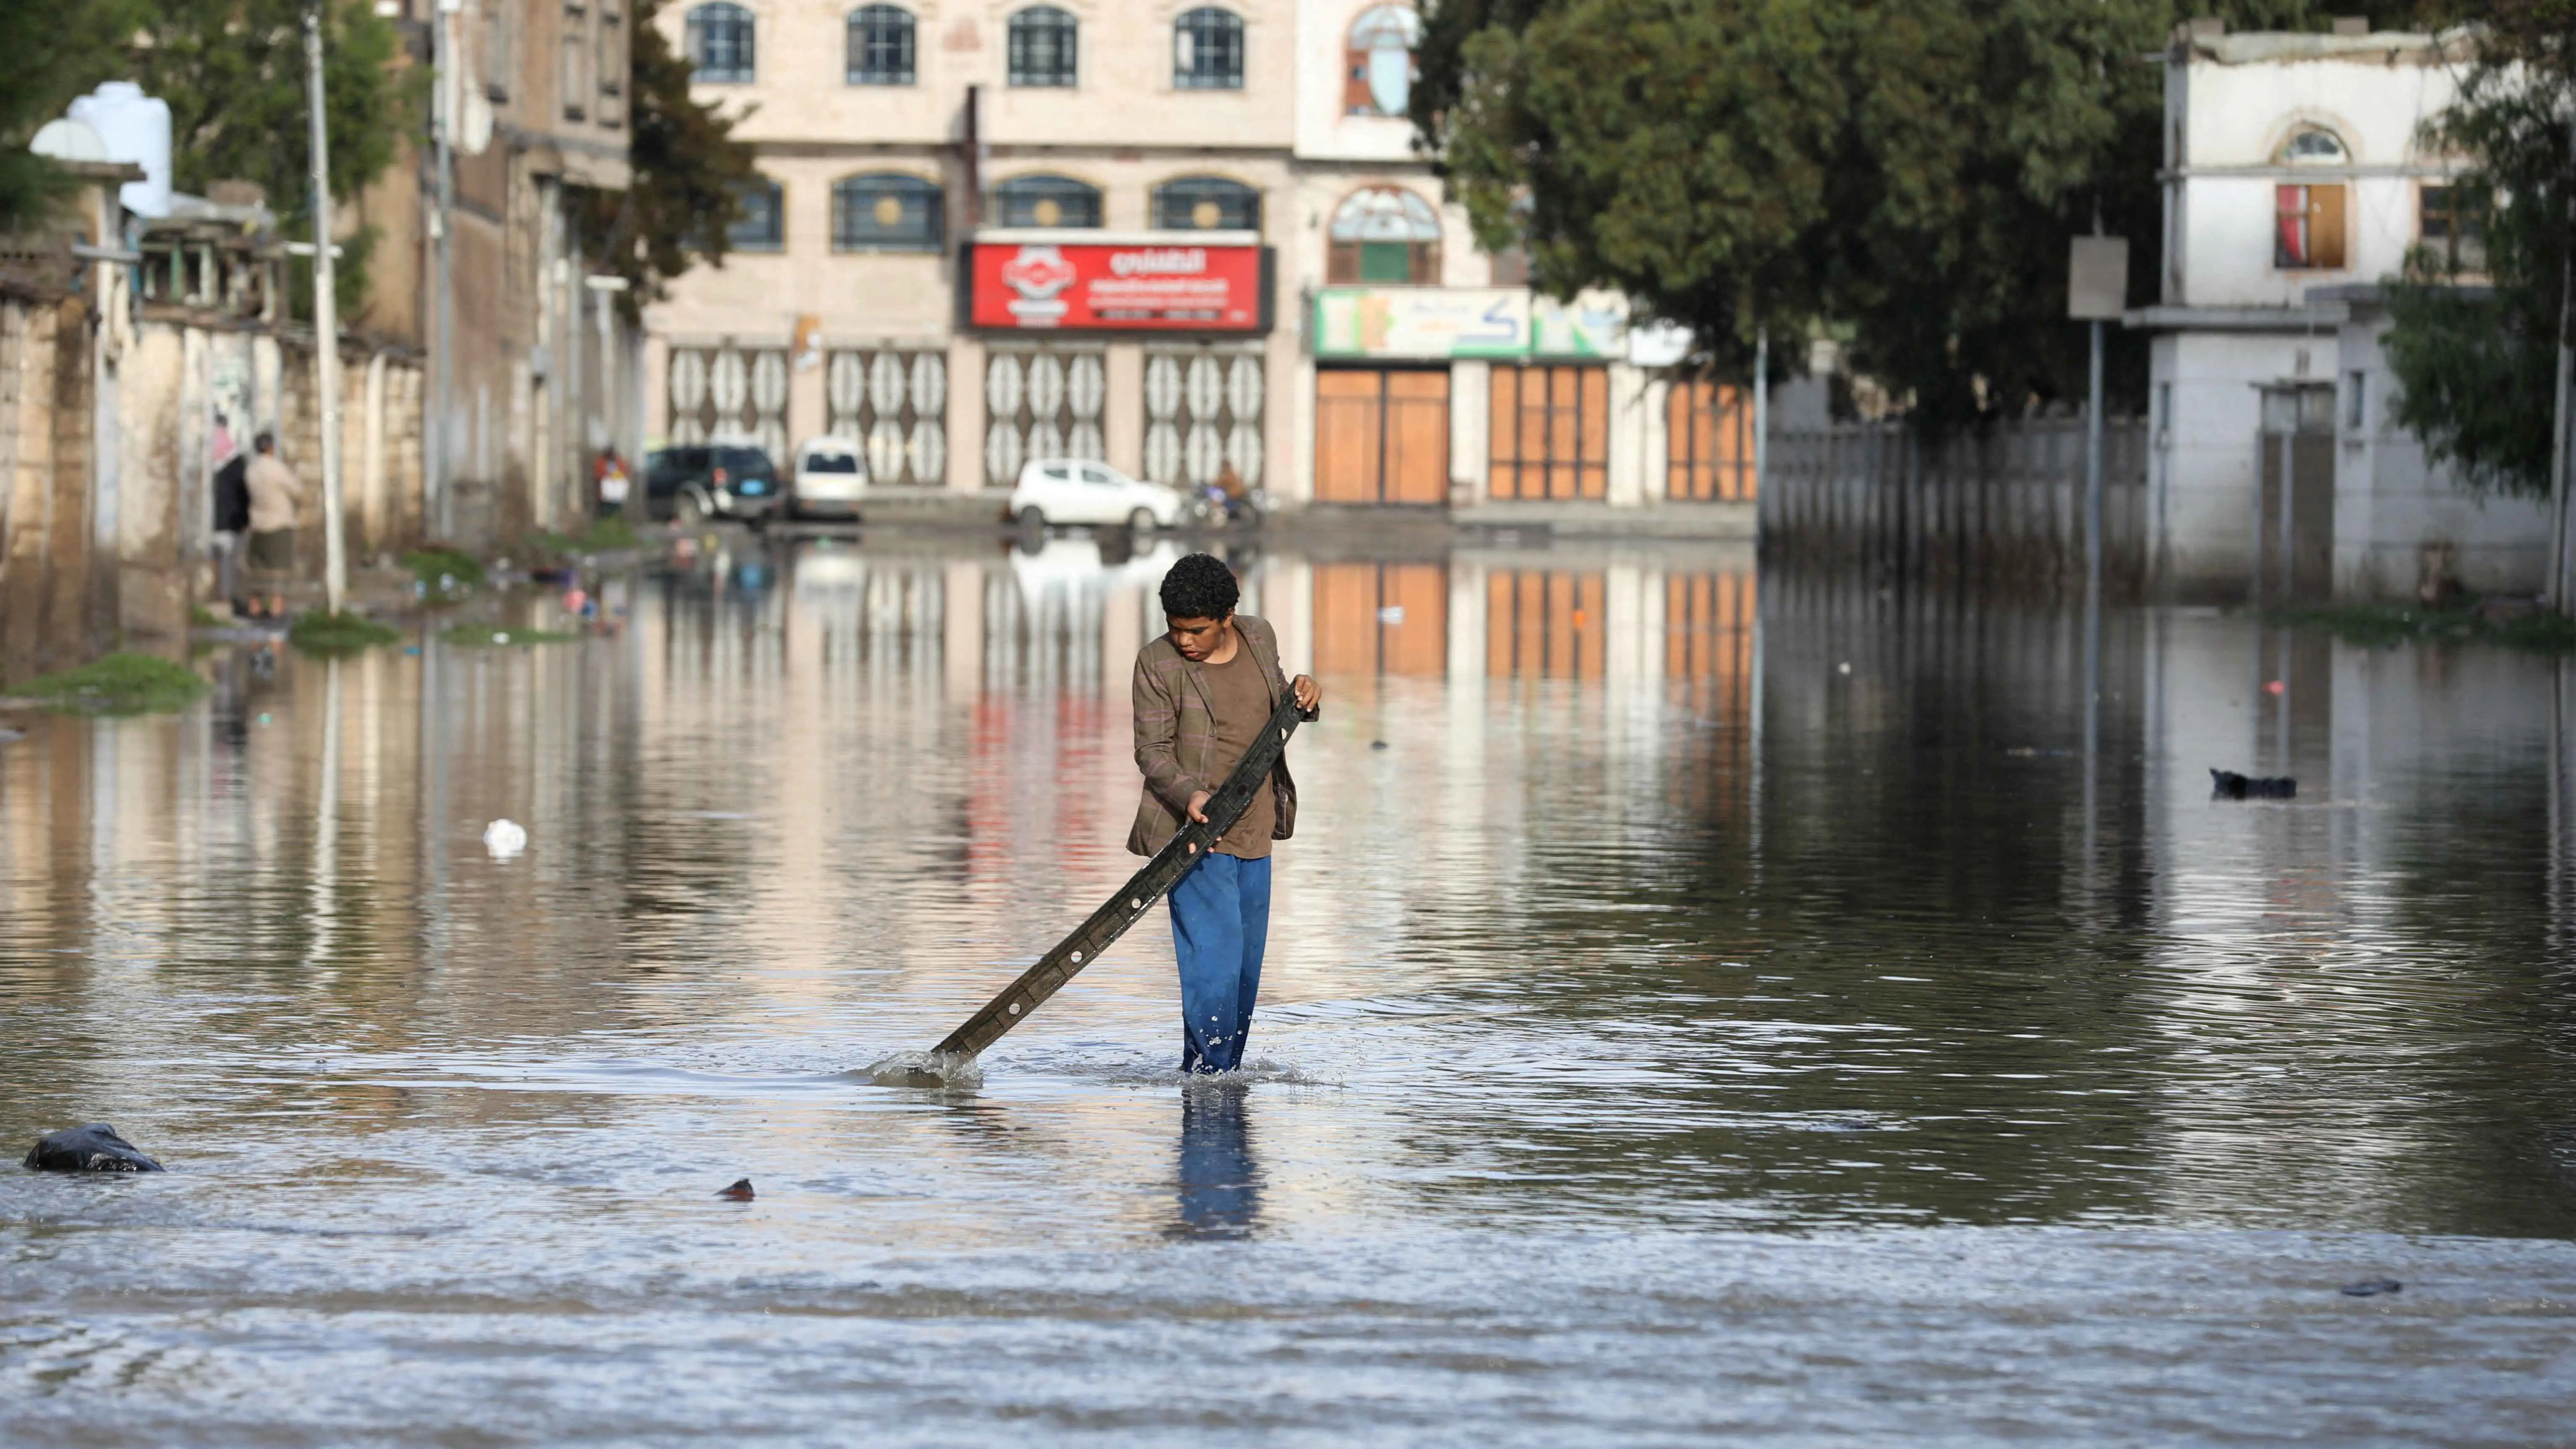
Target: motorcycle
1213,507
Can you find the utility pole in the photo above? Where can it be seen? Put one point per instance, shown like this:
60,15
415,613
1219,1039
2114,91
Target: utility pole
1761,409
448,115
326,327
2558,463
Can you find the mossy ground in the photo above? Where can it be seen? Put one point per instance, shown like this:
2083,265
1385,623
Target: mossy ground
2538,630
342,633
444,571
605,535
117,684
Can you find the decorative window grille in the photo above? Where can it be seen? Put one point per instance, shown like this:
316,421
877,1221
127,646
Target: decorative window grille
1206,203
1042,47
880,46
1042,403
895,404
1202,411
725,392
720,44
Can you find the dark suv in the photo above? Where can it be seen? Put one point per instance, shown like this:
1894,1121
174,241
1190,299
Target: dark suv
710,480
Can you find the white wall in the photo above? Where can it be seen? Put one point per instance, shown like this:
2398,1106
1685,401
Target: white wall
2207,518
2235,119
2390,504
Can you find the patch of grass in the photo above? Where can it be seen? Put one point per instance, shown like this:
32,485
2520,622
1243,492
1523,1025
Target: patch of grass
605,535
202,617
341,633
2540,631
116,684
500,636
444,571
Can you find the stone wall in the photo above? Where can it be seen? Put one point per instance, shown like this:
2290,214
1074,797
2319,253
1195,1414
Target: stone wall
48,608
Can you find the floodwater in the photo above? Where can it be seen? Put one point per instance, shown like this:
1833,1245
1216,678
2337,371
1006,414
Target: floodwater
1697,1010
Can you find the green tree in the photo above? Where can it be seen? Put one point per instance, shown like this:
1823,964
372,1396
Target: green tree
686,175
1905,172
48,55
233,74
2477,367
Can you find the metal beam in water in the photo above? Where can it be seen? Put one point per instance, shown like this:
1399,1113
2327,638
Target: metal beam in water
1107,924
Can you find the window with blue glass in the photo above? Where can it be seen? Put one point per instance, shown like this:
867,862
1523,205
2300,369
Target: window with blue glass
1046,201
881,46
720,44
887,212
1206,203
762,226
1043,41
1207,50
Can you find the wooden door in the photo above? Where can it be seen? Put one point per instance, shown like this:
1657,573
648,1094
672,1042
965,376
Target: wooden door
1381,436
1708,431
1550,432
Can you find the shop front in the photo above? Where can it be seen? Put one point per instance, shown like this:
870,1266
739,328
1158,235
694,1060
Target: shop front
1506,393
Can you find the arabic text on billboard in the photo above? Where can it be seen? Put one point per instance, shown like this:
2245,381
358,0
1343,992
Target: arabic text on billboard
1121,288
1465,322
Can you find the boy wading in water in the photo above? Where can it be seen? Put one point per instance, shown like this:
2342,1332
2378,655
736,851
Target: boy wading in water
1203,691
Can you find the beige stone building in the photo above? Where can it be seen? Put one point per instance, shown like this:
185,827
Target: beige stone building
1173,236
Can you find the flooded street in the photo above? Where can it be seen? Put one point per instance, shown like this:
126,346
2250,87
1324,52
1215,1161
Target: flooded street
1697,1007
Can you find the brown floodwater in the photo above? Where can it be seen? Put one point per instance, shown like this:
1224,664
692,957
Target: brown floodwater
1700,1006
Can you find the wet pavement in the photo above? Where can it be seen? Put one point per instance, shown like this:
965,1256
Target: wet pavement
1697,1008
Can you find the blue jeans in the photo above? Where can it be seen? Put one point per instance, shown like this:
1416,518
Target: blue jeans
1220,922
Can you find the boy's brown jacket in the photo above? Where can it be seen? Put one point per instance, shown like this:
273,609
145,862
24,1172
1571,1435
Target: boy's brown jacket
1176,736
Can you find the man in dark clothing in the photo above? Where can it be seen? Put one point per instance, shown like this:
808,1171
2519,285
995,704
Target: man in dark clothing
232,516
1202,693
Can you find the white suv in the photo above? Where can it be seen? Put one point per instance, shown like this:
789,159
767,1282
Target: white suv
831,479
1078,490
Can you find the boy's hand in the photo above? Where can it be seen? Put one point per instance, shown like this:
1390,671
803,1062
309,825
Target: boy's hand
1310,695
1198,806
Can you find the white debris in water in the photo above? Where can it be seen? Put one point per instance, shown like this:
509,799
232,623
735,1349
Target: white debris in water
947,1071
505,838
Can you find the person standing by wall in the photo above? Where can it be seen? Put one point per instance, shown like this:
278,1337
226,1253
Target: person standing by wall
232,514
274,493
1203,690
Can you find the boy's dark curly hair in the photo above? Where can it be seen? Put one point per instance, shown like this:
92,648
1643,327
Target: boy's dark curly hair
1200,586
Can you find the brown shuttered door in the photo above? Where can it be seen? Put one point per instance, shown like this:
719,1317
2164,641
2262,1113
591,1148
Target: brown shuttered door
1709,443
1551,432
1381,436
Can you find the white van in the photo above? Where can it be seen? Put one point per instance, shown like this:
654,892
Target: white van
831,478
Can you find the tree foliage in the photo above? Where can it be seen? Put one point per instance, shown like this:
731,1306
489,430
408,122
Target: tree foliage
1907,172
233,74
48,55
2477,368
686,174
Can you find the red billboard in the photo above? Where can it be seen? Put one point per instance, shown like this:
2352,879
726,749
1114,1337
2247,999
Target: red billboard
1096,287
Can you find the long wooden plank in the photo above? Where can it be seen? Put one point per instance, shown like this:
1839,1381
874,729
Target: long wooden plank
1107,924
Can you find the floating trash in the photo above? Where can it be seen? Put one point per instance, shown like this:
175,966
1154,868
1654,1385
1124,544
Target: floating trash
505,839
739,1192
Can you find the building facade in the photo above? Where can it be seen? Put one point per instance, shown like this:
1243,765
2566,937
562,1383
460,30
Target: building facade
2297,177
1174,237
530,373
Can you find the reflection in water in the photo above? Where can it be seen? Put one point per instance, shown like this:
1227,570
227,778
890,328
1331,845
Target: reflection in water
1220,1189
1640,907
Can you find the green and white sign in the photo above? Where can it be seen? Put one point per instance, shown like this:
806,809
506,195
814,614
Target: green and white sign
1436,324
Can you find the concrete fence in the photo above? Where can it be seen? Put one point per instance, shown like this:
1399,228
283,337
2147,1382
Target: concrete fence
113,419
2001,508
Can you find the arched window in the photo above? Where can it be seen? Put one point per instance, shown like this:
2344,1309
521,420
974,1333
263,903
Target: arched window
887,212
1206,203
1042,47
880,46
2315,146
1378,77
1207,50
762,227
1383,234
720,44
1046,201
